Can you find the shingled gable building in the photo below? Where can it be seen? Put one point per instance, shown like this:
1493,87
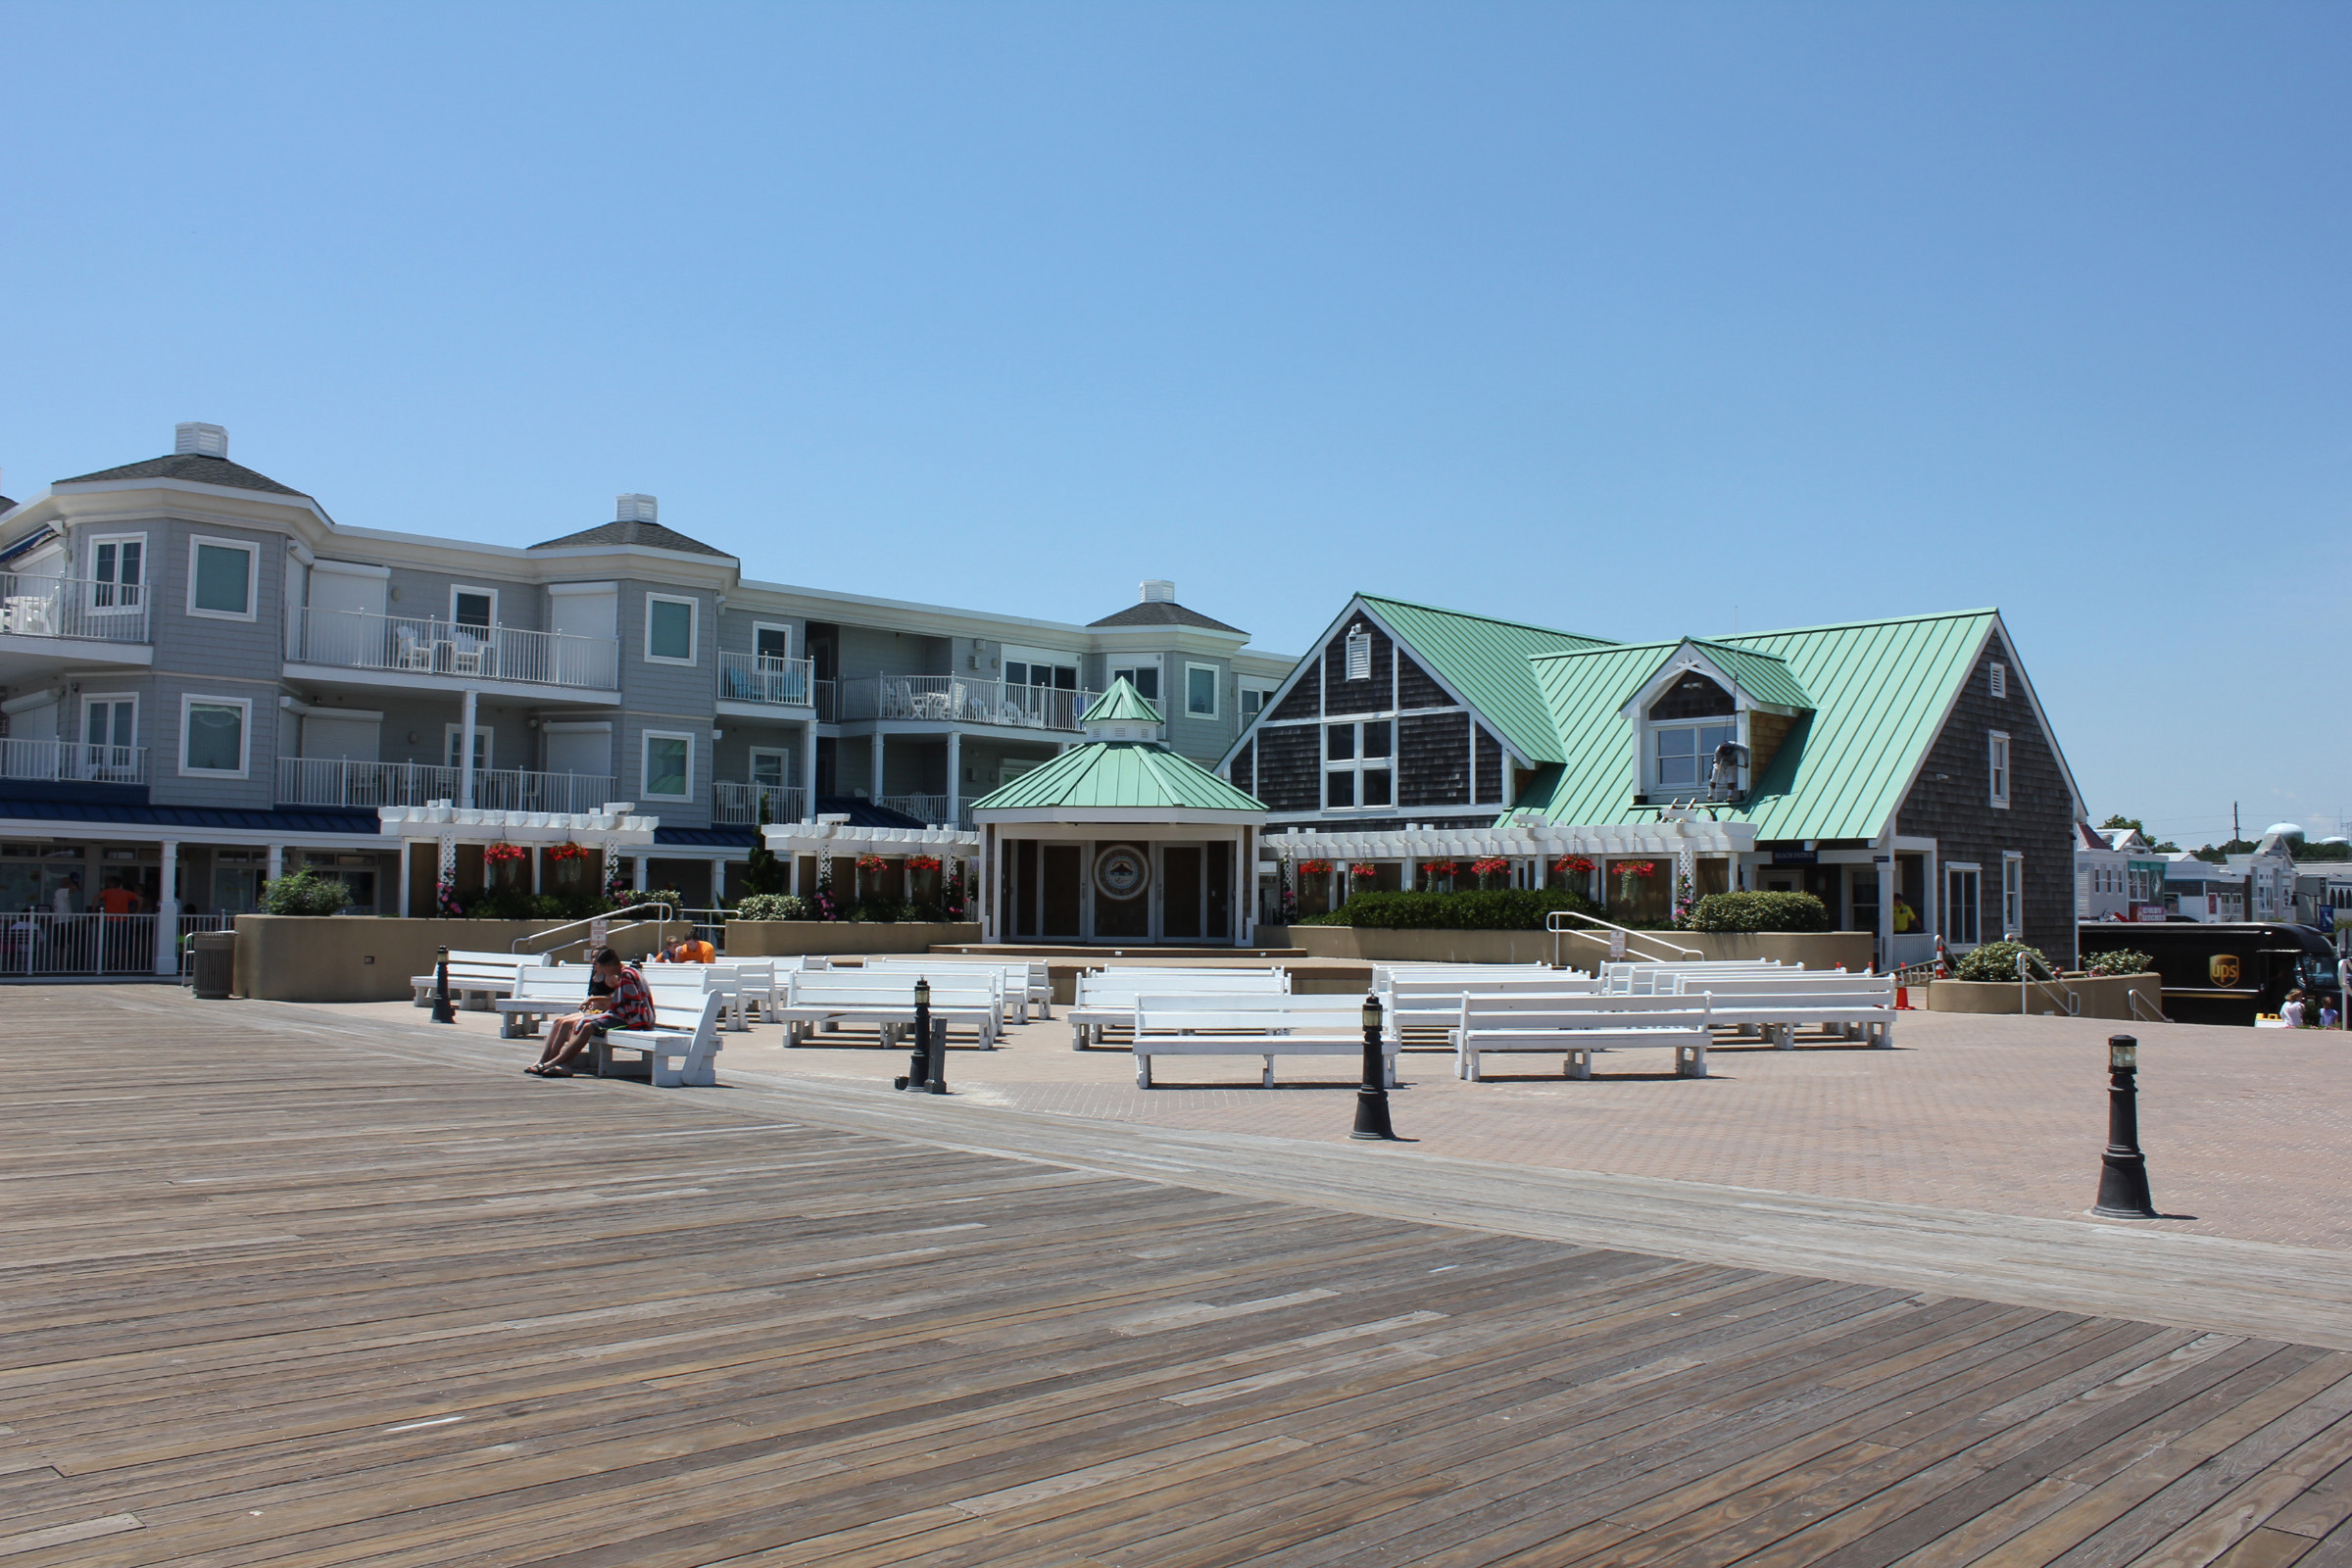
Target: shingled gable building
206,678
1904,760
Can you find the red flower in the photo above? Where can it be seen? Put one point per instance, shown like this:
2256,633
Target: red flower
872,863
498,854
1438,867
569,852
1313,868
923,862
1637,868
1491,866
1363,870
1572,865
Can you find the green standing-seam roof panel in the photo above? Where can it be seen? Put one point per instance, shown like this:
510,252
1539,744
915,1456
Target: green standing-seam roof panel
1486,662
1122,705
1142,775
1766,677
1878,692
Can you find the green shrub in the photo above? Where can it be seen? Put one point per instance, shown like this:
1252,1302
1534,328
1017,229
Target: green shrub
304,892
1760,912
502,903
772,906
2122,960
1500,910
1994,961
670,895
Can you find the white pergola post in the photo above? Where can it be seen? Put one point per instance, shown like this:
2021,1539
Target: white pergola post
167,912
535,856
954,779
638,874
718,880
277,861
403,878
465,752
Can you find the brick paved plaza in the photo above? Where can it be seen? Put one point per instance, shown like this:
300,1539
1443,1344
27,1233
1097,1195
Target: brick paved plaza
2248,1131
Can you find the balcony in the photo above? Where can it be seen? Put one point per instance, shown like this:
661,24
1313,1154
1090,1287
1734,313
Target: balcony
957,700
929,809
771,682
735,805
421,645
334,781
72,608
72,762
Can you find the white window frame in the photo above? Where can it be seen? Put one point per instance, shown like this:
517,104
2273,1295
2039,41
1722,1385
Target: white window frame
751,768
189,702
759,626
1215,680
484,736
694,630
1327,765
1359,642
121,606
253,577
1704,762
110,699
2013,891
1129,672
491,594
2001,680
1998,766
1265,700
1953,905
645,752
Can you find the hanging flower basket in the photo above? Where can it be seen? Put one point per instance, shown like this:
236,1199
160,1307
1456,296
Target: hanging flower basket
502,853
919,862
872,863
1491,866
1440,868
1367,873
1313,868
563,853
1573,865
1630,872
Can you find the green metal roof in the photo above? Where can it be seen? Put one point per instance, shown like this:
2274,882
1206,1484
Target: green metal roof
1486,662
1139,774
1878,690
1765,677
1122,704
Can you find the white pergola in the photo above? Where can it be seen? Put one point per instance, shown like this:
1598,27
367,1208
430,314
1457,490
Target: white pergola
448,825
835,838
1527,842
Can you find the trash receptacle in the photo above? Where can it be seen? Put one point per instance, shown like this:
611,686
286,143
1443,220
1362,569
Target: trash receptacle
213,968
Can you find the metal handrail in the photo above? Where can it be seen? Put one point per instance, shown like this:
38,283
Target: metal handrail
668,914
1551,925
2139,1008
2053,988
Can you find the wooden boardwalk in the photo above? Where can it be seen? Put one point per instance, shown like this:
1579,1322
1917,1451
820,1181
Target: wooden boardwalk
283,1295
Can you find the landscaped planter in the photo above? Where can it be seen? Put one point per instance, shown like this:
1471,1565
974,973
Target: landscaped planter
341,958
1815,949
777,939
2096,996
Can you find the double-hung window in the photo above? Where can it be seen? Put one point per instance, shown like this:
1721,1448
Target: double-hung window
476,607
221,574
1997,755
1358,764
669,630
1253,702
1961,905
1200,691
116,565
667,765
213,735
2013,893
1684,753
1144,677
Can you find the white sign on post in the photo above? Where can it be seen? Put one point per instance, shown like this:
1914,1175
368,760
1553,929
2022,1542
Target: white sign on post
1616,946
597,928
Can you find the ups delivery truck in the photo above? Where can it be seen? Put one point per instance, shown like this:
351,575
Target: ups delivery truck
2222,971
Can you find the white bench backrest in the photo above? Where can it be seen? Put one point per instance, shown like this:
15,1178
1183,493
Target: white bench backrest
1095,990
1246,1013
536,981
1490,984
1582,1012
1805,982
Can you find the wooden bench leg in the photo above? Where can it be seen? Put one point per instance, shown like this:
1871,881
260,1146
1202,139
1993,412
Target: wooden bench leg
1077,1037
1265,1079
1142,1071
1579,1063
1784,1037
1691,1061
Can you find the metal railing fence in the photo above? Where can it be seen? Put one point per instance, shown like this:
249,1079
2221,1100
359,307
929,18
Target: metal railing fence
743,804
74,761
32,605
423,645
752,678
337,781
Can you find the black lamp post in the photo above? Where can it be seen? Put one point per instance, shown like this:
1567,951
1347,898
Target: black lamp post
918,1062
2124,1174
443,1013
1372,1098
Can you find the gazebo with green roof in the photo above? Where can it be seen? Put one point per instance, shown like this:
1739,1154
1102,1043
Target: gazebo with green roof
1118,841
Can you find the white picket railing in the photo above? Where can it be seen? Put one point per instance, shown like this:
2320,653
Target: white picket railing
929,809
963,700
36,944
34,606
781,682
334,781
741,805
419,645
71,759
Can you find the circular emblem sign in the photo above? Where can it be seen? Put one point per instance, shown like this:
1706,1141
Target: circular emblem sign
1122,871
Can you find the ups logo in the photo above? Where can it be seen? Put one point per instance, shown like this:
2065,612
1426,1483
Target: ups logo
2223,966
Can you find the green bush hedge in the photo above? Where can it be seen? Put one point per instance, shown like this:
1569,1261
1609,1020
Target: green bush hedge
1501,909
1994,961
1760,912
304,891
772,906
2122,960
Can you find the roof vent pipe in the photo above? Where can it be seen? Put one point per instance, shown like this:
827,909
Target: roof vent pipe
192,439
635,508
1159,591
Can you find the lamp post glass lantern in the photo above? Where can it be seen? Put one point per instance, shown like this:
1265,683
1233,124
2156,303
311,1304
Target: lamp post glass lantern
918,1061
2123,1171
1372,1097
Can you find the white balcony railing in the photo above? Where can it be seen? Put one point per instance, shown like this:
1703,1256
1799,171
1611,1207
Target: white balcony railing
750,678
418,644
929,809
73,760
334,781
748,805
72,606
962,700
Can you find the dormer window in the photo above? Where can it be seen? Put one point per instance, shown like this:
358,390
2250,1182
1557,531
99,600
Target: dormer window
1686,723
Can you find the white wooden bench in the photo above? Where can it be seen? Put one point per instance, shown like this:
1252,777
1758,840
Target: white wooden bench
681,1049
1106,1001
541,991
1575,1027
1264,1026
1850,1007
1660,978
1415,1008
1027,983
824,1001
724,978
476,979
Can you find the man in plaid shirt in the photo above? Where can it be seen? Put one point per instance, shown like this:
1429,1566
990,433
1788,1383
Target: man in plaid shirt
617,1000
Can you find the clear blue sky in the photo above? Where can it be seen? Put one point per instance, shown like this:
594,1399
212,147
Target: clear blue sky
1635,320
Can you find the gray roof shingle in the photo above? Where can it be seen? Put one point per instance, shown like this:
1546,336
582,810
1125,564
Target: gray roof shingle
194,467
650,535
1165,612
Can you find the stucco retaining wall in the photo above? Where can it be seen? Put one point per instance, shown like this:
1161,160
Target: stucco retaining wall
1823,949
2097,997
294,957
778,939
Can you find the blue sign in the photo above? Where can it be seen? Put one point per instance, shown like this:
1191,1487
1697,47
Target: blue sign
1796,858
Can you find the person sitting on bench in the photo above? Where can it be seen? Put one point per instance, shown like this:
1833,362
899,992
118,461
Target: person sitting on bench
628,1005
688,951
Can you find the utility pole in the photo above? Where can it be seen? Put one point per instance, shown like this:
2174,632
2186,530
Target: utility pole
2233,833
